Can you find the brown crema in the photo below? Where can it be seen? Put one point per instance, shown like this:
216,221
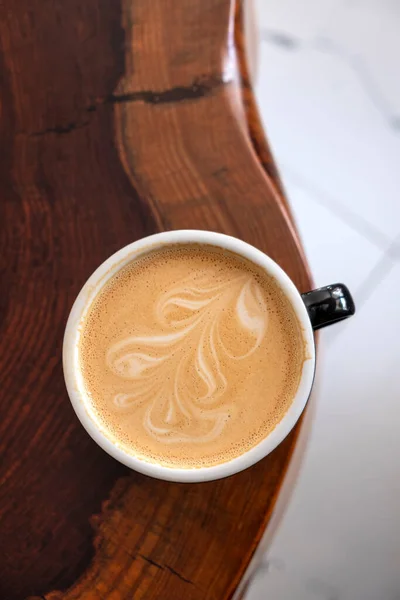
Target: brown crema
190,356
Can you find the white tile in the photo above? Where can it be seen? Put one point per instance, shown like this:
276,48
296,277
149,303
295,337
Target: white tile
336,252
369,32
292,17
277,583
323,124
342,526
366,29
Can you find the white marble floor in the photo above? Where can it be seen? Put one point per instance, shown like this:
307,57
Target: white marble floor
328,88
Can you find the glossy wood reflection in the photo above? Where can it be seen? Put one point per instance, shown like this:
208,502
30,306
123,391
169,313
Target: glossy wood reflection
118,119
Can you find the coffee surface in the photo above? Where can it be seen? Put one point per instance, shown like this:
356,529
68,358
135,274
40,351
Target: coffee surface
190,356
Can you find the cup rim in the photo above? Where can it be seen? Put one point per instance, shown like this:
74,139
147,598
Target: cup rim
74,381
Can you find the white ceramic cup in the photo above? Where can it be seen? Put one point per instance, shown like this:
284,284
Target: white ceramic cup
74,379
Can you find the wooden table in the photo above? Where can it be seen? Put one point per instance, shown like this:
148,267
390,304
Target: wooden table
119,118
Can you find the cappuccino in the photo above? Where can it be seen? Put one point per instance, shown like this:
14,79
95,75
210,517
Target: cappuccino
190,356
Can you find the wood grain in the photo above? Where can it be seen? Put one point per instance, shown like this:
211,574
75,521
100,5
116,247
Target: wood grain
118,119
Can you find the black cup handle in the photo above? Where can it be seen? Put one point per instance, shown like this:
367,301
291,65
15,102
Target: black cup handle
328,305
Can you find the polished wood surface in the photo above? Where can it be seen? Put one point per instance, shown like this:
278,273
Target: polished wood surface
118,119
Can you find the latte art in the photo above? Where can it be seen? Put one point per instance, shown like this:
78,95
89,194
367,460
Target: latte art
190,356
188,344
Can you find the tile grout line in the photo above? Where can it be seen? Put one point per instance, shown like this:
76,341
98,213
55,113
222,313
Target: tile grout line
347,216
376,275
327,45
382,269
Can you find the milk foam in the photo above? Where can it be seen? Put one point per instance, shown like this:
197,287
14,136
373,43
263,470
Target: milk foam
194,344
178,343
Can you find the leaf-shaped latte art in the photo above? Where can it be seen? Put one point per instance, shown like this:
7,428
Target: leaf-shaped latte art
132,365
176,371
250,308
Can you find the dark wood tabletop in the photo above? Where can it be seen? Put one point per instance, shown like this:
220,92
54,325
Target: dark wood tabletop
119,118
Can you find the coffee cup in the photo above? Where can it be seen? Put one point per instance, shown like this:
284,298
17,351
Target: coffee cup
312,310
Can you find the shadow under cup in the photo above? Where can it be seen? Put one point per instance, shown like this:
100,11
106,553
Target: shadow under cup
313,310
